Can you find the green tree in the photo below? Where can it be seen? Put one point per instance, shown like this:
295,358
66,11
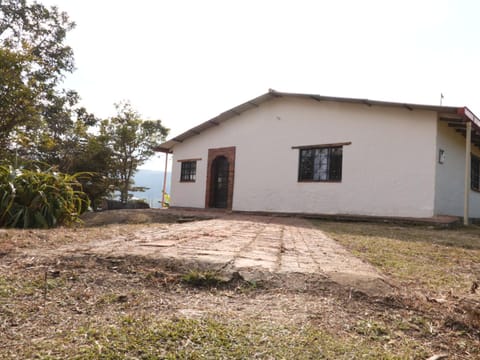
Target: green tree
95,157
39,32
41,122
33,61
132,141
17,99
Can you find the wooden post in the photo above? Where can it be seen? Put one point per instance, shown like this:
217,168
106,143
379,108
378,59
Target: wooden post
164,180
468,149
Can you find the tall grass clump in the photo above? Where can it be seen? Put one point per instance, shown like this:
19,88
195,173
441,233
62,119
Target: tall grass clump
31,198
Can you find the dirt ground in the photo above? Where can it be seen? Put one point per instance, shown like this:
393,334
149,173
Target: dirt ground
267,270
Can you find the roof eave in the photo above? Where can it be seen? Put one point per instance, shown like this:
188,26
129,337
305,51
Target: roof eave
272,94
217,120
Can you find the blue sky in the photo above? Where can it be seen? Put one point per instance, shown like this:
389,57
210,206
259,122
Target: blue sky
186,61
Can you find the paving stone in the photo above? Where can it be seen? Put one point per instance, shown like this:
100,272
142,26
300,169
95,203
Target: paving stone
245,243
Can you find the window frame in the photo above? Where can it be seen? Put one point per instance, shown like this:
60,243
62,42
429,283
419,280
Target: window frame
188,171
474,173
330,171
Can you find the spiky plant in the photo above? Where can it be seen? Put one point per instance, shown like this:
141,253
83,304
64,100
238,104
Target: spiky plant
39,199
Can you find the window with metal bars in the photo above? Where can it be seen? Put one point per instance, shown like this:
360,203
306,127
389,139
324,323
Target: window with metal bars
475,173
320,164
188,171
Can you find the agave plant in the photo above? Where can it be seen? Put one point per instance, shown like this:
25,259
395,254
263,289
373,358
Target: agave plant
35,198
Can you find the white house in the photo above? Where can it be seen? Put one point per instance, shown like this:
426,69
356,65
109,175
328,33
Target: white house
304,153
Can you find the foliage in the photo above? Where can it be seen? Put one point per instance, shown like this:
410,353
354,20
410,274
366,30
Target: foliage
34,198
39,121
17,99
42,122
39,31
33,59
65,134
132,141
202,278
92,155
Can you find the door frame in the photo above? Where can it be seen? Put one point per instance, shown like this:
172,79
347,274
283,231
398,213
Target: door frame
229,153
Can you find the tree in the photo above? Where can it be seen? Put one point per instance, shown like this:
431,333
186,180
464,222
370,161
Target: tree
132,141
94,157
41,122
38,32
17,99
65,134
33,61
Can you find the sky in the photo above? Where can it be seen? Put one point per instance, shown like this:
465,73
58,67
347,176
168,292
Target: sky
186,61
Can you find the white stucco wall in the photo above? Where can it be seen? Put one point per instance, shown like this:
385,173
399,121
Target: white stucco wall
449,194
388,170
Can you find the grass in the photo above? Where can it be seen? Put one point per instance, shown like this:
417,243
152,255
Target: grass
132,308
202,278
183,338
437,260
11,287
98,311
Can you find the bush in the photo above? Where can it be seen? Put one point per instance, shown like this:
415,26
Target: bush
109,204
39,199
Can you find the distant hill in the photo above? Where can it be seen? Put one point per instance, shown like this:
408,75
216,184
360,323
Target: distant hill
152,179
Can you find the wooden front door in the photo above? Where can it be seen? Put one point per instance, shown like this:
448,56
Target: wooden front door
220,168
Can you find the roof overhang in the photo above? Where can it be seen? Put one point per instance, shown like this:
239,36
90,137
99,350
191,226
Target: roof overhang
456,117
459,120
216,121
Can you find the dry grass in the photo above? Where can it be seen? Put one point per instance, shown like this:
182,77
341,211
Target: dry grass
434,259
93,307
97,308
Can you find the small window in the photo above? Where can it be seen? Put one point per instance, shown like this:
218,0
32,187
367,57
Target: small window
320,164
475,173
188,171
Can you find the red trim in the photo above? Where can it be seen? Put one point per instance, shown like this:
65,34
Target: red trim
229,153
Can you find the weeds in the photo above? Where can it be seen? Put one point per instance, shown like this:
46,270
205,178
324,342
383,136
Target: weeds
373,329
183,338
438,260
135,309
202,278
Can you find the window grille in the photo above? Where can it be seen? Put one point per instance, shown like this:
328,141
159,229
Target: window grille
475,173
188,171
320,164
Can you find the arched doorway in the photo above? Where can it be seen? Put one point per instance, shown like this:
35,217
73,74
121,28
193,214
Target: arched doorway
219,176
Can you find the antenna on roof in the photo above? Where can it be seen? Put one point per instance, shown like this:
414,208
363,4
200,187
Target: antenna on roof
441,98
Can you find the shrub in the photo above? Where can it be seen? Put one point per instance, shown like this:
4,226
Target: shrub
39,199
